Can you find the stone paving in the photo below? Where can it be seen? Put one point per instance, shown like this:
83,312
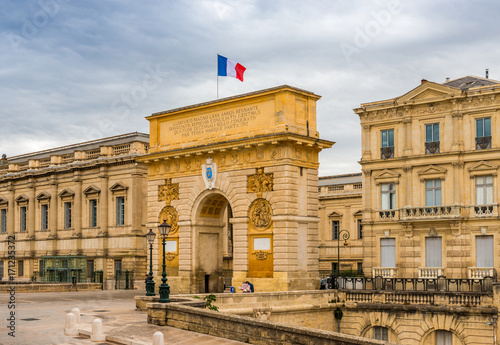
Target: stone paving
40,319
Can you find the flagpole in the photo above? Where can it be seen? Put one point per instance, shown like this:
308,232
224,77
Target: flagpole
217,69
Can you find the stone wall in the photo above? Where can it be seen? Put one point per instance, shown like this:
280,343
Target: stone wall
52,287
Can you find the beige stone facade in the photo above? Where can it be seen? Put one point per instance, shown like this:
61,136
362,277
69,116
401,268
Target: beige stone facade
84,202
237,180
430,181
340,209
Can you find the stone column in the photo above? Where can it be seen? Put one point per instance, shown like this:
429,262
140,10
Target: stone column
12,210
240,248
408,137
366,142
53,213
136,202
103,223
77,213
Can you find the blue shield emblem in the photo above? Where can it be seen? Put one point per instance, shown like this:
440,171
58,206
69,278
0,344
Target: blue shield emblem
209,173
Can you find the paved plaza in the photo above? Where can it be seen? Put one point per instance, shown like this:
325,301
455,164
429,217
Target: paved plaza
40,319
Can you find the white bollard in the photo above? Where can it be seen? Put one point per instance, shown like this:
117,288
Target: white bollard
97,334
70,327
76,311
158,338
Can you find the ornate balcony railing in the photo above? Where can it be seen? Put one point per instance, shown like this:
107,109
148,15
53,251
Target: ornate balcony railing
385,272
483,143
486,210
387,152
388,214
481,272
430,272
431,147
426,212
441,284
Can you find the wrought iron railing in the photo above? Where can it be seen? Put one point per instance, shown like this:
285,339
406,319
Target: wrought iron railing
387,152
483,143
431,147
442,284
486,210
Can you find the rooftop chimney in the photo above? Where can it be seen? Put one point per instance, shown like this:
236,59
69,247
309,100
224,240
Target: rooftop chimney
487,73
447,79
423,81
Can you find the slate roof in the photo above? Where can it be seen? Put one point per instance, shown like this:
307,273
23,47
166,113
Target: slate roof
470,81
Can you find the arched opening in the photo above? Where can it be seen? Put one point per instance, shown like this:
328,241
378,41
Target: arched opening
381,333
213,234
442,337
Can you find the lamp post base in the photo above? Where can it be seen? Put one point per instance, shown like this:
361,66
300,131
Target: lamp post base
164,293
150,288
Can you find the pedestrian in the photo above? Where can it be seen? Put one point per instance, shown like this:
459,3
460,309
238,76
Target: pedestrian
73,281
147,278
250,285
245,287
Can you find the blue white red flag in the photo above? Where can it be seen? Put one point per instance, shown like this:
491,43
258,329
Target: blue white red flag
229,68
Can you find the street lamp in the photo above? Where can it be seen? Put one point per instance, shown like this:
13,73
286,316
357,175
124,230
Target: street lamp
345,236
164,288
150,284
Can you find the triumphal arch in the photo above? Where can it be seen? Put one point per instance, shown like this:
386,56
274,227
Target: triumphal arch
236,178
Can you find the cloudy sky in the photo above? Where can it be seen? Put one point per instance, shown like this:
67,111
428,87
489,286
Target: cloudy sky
73,71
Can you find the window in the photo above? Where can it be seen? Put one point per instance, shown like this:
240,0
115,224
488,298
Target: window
483,133
3,220
45,217
484,251
433,252
433,193
118,268
388,196
387,147
360,229
120,210
93,213
20,268
22,218
67,215
380,333
388,252
90,268
335,229
484,190
444,337
432,138
1,270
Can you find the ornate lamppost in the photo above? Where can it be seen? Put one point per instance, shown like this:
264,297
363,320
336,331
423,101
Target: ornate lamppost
150,284
164,288
345,236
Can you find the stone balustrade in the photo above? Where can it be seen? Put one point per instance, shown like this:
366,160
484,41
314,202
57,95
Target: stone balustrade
481,272
430,272
385,272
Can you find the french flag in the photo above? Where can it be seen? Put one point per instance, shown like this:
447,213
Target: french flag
229,68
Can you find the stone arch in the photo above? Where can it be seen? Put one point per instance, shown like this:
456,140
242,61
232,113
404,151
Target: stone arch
381,319
212,235
443,322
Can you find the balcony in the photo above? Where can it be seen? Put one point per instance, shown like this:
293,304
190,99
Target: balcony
431,147
481,272
483,143
430,272
487,210
387,152
385,272
388,214
430,212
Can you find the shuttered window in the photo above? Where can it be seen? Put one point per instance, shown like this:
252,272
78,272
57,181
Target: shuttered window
433,252
388,252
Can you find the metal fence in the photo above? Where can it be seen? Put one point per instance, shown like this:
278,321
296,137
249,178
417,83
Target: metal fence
441,284
124,280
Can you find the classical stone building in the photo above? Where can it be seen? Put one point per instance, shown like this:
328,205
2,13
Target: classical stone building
340,212
237,180
75,209
430,162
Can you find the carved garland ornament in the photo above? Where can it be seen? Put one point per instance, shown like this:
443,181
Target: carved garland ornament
260,214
